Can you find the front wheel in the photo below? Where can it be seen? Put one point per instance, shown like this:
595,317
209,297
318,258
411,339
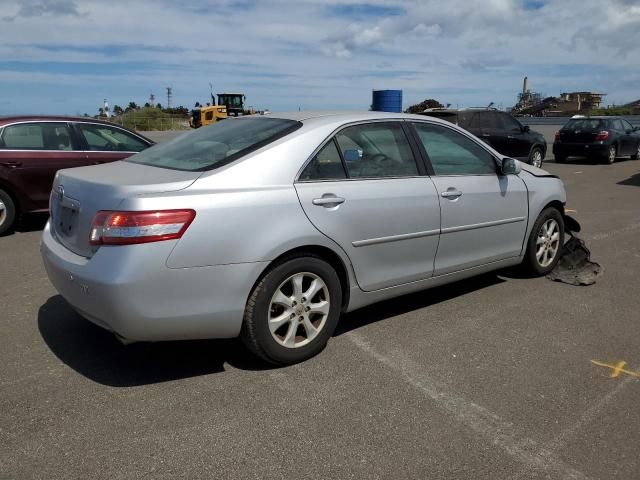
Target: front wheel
293,311
545,242
636,155
535,157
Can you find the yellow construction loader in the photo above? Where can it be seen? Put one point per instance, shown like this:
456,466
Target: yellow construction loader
229,105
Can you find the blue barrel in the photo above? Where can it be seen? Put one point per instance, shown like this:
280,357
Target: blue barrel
387,101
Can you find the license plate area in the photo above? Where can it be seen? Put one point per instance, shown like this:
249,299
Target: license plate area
66,220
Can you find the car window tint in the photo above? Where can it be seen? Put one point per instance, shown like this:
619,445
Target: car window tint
585,124
215,145
377,150
37,136
617,124
510,123
106,138
467,120
326,165
490,121
452,153
626,126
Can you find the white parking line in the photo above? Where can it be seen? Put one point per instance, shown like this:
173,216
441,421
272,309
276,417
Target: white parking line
482,421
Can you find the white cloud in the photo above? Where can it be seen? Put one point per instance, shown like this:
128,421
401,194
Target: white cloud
286,54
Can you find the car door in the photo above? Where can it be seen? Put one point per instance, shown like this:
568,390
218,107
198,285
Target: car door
518,143
483,214
107,143
625,146
632,137
30,155
365,190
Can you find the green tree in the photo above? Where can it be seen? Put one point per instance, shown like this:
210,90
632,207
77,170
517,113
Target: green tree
117,110
422,106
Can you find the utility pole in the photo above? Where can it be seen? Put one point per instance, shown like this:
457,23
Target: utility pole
169,95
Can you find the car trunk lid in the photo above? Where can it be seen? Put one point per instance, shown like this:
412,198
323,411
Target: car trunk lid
79,193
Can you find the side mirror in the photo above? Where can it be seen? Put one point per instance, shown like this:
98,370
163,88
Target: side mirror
511,166
526,128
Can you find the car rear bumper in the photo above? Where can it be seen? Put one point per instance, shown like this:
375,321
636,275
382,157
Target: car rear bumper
580,149
130,291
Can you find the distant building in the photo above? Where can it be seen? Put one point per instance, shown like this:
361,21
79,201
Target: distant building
533,104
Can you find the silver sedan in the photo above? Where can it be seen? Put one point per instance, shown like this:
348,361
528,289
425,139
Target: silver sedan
270,227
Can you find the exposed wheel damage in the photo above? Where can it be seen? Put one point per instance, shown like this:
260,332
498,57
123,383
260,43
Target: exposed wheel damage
575,266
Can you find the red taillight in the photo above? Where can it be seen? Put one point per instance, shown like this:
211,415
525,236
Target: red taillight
603,135
126,228
557,136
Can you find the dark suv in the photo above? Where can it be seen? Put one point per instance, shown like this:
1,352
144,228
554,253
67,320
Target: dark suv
33,149
600,138
500,130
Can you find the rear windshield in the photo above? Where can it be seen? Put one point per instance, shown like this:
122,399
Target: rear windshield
585,124
216,145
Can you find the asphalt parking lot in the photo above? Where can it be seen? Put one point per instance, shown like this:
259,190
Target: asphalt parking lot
484,379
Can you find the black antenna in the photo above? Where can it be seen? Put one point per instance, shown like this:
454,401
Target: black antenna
490,105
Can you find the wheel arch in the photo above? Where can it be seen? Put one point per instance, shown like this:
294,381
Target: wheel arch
322,252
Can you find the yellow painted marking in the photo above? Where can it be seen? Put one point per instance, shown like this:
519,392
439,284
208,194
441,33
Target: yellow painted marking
570,210
617,369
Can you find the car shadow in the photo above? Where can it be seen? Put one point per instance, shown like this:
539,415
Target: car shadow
31,222
414,301
590,161
633,180
96,353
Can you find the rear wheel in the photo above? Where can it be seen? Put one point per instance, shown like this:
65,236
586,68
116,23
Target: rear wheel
535,157
293,311
636,155
545,242
7,213
611,154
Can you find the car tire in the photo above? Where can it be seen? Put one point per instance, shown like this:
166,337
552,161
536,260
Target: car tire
7,213
281,325
560,158
536,157
610,157
544,246
636,156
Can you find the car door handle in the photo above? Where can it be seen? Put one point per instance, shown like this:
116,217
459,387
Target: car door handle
510,137
11,164
452,194
328,200
485,135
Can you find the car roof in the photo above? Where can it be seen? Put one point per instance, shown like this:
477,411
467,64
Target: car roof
320,118
62,118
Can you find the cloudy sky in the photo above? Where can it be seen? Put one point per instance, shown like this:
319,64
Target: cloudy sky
65,56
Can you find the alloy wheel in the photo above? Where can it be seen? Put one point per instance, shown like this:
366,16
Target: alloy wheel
298,310
612,155
3,212
547,242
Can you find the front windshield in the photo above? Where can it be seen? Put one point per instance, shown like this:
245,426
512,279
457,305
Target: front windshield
216,145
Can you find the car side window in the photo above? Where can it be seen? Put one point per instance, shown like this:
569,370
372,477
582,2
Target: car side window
510,123
376,150
452,153
626,126
106,138
37,136
326,165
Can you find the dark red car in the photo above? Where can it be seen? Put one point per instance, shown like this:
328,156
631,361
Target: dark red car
33,149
